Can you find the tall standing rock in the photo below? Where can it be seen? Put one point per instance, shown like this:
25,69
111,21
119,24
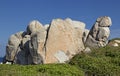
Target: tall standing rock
36,45
63,41
99,34
23,54
37,42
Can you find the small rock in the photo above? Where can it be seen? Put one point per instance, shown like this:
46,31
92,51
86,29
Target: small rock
115,44
8,63
117,41
87,50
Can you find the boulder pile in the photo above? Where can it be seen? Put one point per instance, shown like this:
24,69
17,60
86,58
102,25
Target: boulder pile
56,42
99,33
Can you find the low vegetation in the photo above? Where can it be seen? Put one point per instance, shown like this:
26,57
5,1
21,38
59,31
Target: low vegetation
40,70
100,62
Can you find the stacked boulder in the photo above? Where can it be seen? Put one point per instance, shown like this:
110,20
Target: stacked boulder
56,42
99,34
22,47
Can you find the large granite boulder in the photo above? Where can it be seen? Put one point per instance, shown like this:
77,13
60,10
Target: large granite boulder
99,34
63,41
13,46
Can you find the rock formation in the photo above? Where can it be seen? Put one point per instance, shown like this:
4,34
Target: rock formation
13,46
37,45
56,42
23,47
99,34
64,40
34,26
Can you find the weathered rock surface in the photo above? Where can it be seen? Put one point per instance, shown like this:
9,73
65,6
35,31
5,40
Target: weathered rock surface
27,47
104,21
87,50
37,45
63,39
56,42
99,34
23,51
34,26
13,45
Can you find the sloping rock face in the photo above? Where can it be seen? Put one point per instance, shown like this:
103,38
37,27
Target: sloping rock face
99,34
64,41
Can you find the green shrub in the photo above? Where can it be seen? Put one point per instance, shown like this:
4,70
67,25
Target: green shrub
101,62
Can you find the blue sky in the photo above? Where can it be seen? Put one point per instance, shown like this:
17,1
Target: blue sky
16,14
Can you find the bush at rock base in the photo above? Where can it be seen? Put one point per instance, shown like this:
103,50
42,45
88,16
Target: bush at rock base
100,62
